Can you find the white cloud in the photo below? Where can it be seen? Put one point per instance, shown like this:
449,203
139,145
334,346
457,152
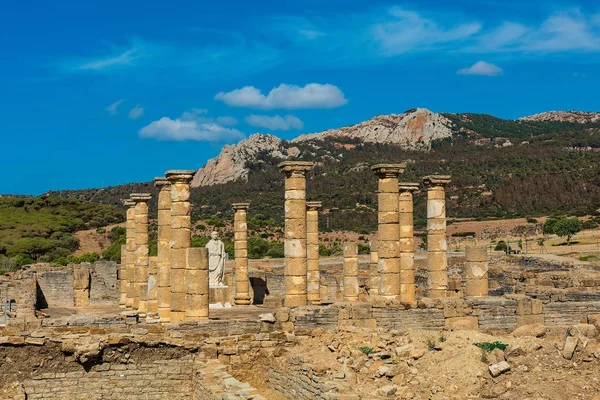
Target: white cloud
112,109
276,122
313,95
191,126
136,112
122,58
481,68
408,31
310,34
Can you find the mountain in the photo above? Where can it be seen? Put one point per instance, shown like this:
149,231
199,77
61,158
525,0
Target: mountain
500,169
579,117
412,130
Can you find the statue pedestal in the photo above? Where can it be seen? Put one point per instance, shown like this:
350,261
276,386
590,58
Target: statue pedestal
219,294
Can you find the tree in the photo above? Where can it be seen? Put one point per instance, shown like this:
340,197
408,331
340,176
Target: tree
563,226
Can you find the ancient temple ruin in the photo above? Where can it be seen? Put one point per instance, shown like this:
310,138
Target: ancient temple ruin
163,338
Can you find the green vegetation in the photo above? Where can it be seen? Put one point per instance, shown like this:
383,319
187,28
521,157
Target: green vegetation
366,350
501,246
563,226
590,257
545,171
489,346
40,228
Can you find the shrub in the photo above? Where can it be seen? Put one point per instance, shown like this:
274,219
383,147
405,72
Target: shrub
489,346
501,246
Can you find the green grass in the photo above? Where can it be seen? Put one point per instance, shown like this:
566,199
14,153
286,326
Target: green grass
590,257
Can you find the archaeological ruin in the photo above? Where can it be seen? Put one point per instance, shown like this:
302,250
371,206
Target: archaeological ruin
386,323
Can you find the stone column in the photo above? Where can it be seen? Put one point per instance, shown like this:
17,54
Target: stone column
388,233
407,242
312,252
240,233
373,273
164,249
152,288
351,272
196,282
476,271
130,256
181,239
140,301
122,280
437,257
295,271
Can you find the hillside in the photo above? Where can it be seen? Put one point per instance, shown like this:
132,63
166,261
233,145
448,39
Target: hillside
500,169
41,228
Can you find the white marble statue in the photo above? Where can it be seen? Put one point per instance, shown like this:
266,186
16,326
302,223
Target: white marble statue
216,260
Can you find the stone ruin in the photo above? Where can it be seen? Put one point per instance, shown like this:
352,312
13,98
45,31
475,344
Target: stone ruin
145,329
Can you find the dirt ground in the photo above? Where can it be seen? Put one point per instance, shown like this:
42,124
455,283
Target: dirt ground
447,365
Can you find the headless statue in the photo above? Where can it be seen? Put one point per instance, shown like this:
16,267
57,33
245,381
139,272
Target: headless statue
216,260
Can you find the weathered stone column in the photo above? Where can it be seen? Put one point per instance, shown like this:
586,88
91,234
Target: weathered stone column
164,249
407,242
122,280
476,271
152,288
181,239
140,301
388,233
240,233
130,257
437,257
351,272
295,271
196,282
312,252
373,271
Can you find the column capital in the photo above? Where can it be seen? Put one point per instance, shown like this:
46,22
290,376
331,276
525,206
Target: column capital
180,175
240,206
290,168
409,187
128,202
162,183
313,205
436,180
140,197
388,170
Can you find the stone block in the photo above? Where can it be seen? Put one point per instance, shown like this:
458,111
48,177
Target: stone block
523,320
461,323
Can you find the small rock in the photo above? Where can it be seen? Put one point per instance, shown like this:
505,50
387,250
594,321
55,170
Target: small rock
514,350
495,356
570,346
597,353
499,368
382,371
417,353
227,305
403,351
388,390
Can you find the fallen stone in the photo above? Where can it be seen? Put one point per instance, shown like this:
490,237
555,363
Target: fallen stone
498,368
570,347
227,305
597,353
417,353
215,306
403,351
536,330
514,350
586,330
388,390
382,371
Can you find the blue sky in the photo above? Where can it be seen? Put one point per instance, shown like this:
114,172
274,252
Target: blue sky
102,93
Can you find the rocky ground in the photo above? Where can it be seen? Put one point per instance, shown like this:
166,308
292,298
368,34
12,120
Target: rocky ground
536,363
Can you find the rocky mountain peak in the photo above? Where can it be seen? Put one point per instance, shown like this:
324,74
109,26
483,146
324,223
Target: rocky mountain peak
580,117
230,164
413,129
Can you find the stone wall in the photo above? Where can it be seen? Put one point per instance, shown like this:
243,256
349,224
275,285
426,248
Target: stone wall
300,380
104,288
55,287
158,380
